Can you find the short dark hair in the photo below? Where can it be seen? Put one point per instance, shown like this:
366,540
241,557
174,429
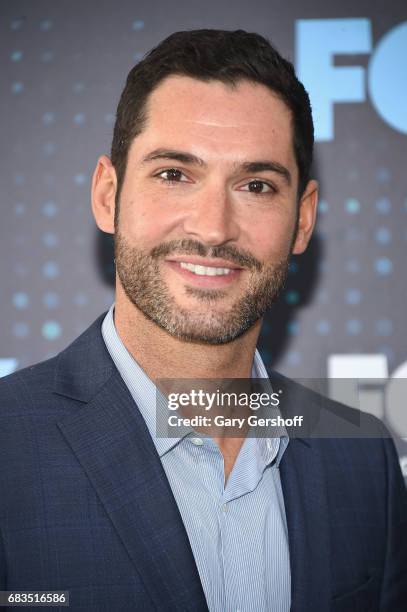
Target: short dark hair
209,55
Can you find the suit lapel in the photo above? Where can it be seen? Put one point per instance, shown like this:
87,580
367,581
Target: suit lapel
305,499
307,516
111,441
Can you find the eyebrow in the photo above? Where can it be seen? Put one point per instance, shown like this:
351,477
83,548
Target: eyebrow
251,167
264,166
181,156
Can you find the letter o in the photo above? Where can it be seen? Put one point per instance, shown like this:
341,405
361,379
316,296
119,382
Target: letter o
396,412
387,78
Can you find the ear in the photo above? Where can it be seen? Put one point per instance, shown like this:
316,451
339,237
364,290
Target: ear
104,187
307,217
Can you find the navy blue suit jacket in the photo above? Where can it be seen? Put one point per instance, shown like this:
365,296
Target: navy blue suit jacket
85,505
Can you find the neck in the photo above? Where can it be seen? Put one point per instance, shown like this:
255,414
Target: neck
162,355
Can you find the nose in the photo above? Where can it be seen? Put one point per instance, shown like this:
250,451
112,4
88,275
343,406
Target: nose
211,218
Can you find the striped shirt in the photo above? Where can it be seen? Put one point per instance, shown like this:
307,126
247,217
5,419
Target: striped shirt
238,532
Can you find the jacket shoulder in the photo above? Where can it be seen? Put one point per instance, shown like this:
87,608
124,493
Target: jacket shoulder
33,387
27,382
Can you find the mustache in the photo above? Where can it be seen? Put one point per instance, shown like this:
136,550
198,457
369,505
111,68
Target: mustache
186,246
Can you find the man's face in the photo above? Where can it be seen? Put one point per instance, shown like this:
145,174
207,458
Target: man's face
208,208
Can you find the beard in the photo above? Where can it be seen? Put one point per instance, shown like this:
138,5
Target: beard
140,277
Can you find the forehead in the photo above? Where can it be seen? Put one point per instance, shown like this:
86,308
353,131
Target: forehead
217,119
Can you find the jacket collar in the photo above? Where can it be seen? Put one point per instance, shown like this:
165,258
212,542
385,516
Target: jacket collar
84,366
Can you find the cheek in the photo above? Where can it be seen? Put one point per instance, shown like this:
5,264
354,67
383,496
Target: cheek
271,238
143,219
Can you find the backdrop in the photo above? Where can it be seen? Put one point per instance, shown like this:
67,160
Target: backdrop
63,66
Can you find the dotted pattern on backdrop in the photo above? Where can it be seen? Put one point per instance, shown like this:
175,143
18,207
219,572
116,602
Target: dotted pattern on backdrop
60,99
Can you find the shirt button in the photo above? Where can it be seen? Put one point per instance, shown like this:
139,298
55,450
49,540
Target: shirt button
197,441
225,508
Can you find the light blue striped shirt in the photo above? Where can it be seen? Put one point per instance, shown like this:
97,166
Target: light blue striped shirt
238,532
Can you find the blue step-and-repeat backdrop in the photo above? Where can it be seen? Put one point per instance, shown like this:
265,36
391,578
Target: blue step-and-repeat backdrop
63,66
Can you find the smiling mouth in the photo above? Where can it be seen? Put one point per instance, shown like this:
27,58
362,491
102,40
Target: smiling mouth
204,275
204,270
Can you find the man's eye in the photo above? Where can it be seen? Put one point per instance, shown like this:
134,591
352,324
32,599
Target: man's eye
257,186
171,175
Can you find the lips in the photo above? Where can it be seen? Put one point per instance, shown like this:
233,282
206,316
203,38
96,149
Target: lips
205,275
204,270
207,263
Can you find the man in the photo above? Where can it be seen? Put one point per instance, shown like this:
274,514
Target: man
208,194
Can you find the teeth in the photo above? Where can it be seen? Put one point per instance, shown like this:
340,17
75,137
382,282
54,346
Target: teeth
204,270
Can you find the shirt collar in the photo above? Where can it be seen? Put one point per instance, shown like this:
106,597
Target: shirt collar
144,392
